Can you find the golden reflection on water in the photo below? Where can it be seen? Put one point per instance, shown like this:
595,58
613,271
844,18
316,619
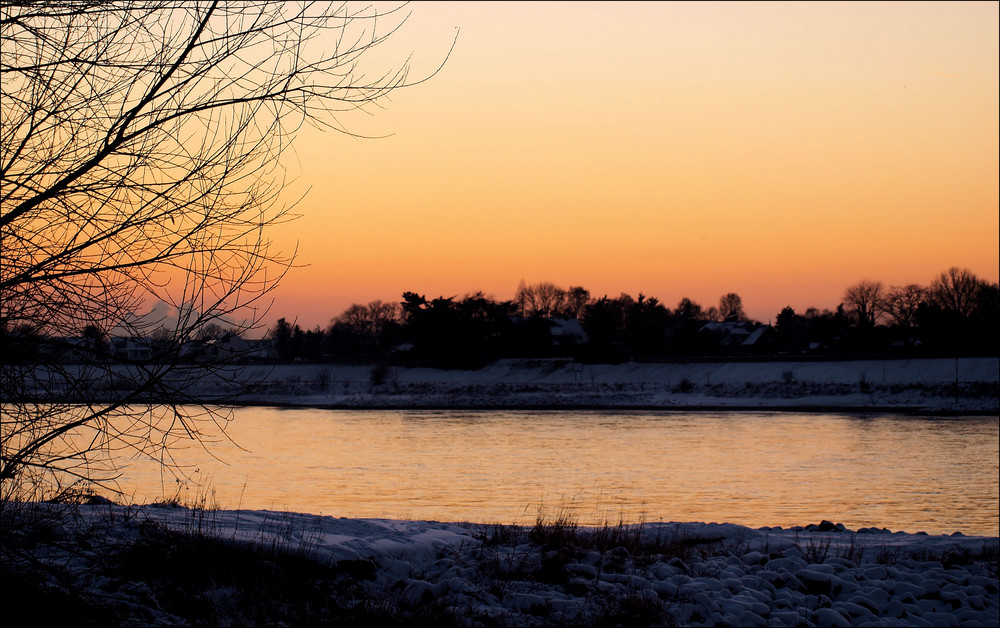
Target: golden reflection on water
904,473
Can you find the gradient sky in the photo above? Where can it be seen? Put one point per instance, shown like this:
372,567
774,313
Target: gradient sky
781,151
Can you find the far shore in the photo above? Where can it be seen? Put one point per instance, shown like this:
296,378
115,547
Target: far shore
938,386
707,408
924,386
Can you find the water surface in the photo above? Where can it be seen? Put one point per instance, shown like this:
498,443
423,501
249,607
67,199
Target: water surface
938,475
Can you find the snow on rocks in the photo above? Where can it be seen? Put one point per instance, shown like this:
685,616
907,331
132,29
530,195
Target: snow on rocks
694,574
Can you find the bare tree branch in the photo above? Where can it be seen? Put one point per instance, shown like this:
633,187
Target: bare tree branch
140,165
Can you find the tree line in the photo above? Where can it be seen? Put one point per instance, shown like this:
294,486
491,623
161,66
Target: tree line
957,313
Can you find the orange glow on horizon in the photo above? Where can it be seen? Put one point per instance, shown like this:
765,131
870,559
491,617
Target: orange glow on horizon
779,151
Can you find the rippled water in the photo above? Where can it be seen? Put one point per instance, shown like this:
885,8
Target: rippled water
905,473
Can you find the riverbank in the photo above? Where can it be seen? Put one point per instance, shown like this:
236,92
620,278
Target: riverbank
111,565
944,386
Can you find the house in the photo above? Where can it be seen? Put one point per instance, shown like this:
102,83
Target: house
234,347
131,349
567,332
736,337
759,342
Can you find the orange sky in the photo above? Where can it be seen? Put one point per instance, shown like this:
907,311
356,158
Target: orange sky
780,151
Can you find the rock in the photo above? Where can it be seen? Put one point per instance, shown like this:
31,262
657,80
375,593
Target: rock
879,597
665,588
587,571
706,603
753,558
976,602
790,581
906,591
824,568
762,592
868,603
918,621
767,575
733,584
814,581
836,561
876,572
894,608
989,585
792,552
829,617
855,611
564,610
751,620
630,581
678,564
526,602
706,584
786,618
843,587
662,571
419,591
459,585
952,595
968,615
790,564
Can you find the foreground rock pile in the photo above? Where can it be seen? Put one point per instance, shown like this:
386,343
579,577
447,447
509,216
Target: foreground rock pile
111,565
715,583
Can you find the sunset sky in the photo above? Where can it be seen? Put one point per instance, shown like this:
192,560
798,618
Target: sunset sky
781,151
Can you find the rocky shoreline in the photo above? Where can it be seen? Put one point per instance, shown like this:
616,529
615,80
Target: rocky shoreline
168,565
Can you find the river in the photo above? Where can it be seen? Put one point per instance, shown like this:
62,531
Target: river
938,475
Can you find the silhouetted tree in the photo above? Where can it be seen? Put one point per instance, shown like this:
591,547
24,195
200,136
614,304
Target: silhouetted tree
463,334
688,309
313,342
790,329
576,301
96,340
863,301
900,303
941,329
647,323
282,335
985,319
365,327
955,289
826,328
140,147
543,299
412,305
731,307
604,322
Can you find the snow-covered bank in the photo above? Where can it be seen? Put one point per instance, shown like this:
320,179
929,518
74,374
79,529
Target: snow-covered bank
931,385
551,574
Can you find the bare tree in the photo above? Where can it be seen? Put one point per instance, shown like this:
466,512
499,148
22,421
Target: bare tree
731,307
955,289
524,297
549,298
542,299
901,303
688,309
368,322
577,298
864,301
140,151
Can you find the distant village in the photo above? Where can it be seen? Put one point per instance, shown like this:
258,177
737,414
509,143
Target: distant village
957,314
